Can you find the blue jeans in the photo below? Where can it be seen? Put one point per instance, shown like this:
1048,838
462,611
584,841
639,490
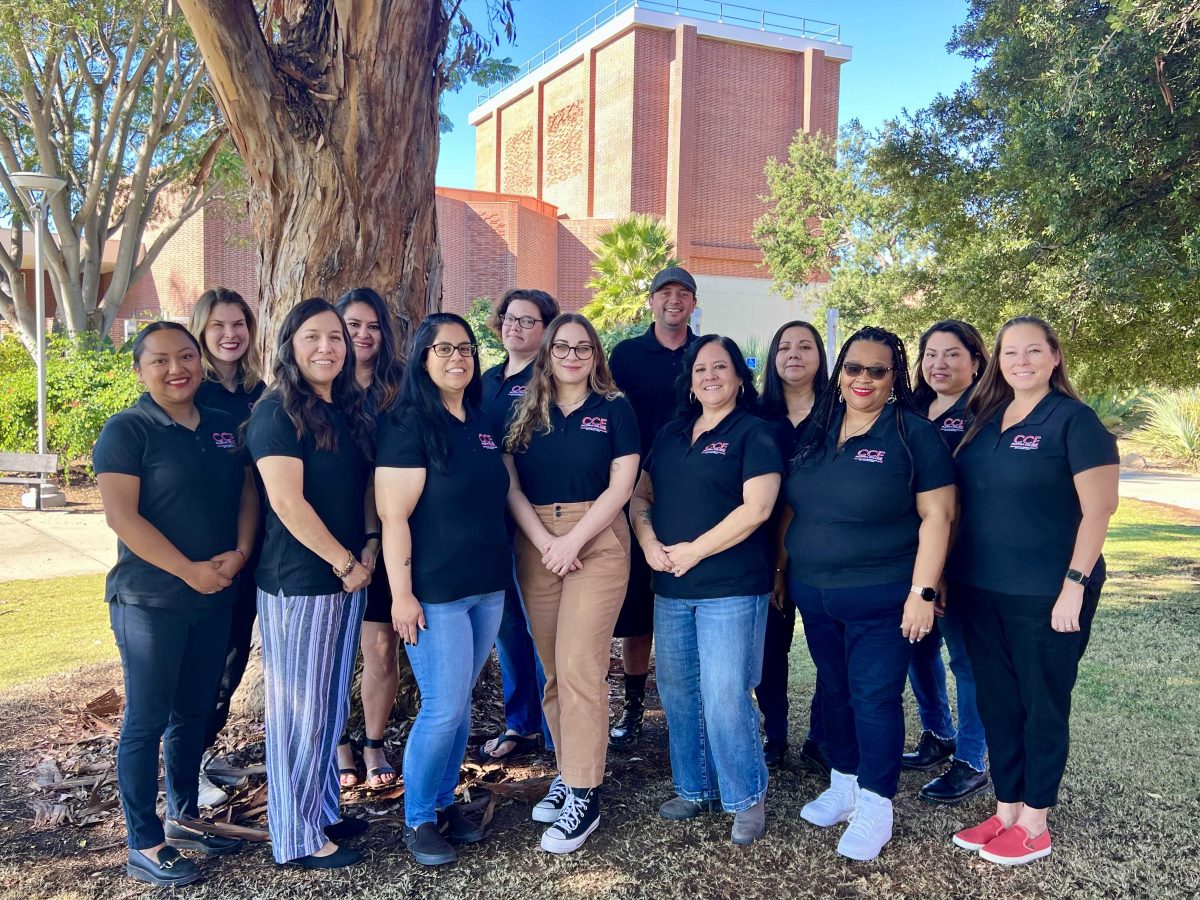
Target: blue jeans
171,660
446,661
972,745
521,674
927,675
862,659
709,658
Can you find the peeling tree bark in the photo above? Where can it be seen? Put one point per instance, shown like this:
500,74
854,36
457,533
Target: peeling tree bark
334,109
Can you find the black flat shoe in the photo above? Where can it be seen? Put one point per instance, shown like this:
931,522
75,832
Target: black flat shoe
774,753
171,870
955,785
815,757
209,844
427,845
338,859
347,828
931,751
457,827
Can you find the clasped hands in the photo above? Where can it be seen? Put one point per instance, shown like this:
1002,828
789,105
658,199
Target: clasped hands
678,559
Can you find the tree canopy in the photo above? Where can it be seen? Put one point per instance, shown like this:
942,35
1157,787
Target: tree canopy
630,254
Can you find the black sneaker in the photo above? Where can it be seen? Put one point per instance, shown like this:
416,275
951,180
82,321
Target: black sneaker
627,731
427,845
457,827
348,827
956,784
172,868
815,757
548,809
931,751
209,844
579,818
774,753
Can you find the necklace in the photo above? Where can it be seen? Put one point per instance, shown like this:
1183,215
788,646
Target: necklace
846,435
565,408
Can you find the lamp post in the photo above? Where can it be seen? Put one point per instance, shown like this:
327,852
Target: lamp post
36,189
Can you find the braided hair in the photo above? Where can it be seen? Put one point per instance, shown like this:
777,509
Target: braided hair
823,410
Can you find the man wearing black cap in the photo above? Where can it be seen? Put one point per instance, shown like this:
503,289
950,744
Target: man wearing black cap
645,369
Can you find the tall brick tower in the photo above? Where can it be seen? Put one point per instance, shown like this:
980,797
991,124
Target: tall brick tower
647,110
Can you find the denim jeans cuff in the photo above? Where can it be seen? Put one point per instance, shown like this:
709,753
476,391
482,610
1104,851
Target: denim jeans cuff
979,764
698,796
742,805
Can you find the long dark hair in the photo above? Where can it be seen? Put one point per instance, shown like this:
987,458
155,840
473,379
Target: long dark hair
967,335
307,411
993,393
823,410
773,403
420,394
688,408
389,371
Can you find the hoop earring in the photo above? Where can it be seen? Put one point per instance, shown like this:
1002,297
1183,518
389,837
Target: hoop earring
741,390
892,396
841,398
691,396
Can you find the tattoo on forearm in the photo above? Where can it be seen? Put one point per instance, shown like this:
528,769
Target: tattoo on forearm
407,561
645,514
616,466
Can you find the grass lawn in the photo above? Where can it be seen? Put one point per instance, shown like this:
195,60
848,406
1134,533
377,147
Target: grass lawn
51,626
1125,826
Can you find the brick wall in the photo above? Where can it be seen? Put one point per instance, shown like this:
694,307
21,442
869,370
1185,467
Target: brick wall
653,50
612,173
518,148
576,250
564,137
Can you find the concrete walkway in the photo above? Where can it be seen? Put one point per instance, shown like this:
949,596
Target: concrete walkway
54,543
1160,487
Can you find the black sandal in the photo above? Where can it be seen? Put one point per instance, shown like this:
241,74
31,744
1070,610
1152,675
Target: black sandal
522,746
342,773
377,771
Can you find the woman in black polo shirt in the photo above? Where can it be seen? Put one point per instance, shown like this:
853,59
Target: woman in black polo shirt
379,372
442,487
1037,475
950,360
223,324
796,374
708,487
312,441
183,504
872,495
572,451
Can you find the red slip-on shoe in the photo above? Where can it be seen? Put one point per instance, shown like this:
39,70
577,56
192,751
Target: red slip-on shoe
981,835
1015,847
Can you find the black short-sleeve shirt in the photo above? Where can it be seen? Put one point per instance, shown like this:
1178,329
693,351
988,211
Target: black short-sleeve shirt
501,394
335,484
191,489
855,520
696,485
1020,511
571,463
646,373
952,424
459,546
237,403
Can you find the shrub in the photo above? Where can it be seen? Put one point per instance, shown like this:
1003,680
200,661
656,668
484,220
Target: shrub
88,379
1120,412
1172,426
491,348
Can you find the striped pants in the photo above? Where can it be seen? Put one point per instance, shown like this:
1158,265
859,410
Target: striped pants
309,646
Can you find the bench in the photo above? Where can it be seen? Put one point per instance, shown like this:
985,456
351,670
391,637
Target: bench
42,465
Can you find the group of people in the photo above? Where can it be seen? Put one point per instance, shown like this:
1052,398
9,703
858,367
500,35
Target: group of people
561,498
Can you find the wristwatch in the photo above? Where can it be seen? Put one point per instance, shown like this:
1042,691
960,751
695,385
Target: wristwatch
1078,577
928,594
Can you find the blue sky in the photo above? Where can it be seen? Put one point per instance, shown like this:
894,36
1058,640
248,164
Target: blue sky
900,59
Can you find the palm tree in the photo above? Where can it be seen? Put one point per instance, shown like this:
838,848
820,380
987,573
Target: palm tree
631,253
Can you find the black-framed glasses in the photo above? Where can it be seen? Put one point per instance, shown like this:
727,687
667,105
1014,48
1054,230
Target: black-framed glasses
875,373
525,322
561,350
446,350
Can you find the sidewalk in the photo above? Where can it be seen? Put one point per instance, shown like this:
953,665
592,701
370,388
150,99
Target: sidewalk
54,543
1160,487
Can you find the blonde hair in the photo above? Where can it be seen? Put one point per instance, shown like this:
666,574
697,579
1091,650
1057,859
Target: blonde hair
533,410
250,365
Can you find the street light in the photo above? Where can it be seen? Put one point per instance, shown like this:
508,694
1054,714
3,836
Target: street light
36,189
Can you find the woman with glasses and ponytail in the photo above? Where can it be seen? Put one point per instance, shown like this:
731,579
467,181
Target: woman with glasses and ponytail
872,495
572,451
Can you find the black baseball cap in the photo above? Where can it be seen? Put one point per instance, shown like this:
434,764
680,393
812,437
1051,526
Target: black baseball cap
673,275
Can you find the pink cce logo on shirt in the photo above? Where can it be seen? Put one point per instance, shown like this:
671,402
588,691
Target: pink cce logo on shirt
1025,442
224,440
518,390
870,456
486,442
598,424
717,448
952,424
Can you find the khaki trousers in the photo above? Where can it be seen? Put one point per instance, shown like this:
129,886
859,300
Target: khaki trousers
572,620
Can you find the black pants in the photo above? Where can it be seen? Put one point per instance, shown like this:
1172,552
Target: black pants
772,690
171,659
237,653
1024,674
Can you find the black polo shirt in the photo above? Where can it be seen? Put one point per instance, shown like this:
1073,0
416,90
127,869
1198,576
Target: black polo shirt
1020,512
335,485
501,394
459,547
696,485
571,463
191,489
237,403
952,424
855,521
646,373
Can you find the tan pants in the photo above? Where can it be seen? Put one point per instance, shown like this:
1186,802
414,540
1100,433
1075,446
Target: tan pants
572,620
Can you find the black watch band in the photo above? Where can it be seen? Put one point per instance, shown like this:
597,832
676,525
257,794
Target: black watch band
1078,577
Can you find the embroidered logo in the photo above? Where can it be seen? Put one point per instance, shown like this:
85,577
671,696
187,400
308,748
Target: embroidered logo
598,424
224,440
870,456
1025,442
518,390
952,424
486,442
717,448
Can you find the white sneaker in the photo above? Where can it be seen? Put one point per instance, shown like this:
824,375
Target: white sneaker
209,794
548,809
835,804
870,827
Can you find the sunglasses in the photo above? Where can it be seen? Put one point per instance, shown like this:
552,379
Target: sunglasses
875,373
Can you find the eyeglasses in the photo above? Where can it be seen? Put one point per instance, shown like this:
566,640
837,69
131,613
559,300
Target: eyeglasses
525,322
875,373
561,350
446,350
